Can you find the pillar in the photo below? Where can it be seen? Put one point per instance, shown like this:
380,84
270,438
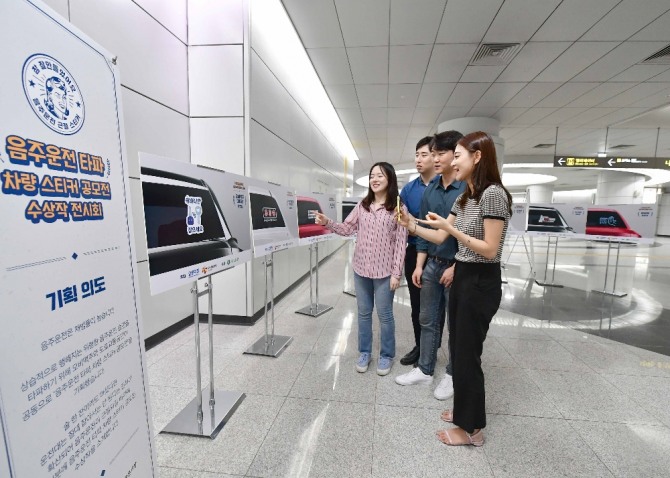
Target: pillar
619,188
540,193
475,123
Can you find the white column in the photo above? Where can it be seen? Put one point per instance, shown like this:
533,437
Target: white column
619,188
663,226
475,123
539,193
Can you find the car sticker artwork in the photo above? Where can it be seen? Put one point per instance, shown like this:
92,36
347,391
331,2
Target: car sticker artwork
194,215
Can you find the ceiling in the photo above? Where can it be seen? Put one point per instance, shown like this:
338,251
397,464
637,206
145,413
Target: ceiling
395,69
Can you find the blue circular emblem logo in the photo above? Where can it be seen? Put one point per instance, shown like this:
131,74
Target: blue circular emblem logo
53,94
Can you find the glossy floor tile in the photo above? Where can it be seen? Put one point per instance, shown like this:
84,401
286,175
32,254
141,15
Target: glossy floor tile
563,397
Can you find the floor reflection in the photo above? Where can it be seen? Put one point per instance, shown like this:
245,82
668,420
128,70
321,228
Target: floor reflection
640,318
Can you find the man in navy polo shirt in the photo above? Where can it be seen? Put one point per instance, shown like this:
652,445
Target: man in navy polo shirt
434,270
411,195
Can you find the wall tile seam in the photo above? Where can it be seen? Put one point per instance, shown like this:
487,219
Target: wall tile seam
154,100
160,23
195,45
296,149
296,102
215,117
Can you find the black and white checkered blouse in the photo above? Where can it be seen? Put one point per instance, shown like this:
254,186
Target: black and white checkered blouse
493,204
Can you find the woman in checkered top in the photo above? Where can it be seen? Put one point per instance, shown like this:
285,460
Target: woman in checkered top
478,220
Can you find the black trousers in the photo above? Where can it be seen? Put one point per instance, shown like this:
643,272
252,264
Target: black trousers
473,301
415,296
414,291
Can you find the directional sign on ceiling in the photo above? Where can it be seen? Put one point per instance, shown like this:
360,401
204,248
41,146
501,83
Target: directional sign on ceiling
610,162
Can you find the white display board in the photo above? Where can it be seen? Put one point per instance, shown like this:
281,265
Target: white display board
562,220
273,209
196,221
308,205
73,389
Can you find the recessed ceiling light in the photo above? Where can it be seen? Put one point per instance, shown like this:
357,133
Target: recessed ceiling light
526,179
602,155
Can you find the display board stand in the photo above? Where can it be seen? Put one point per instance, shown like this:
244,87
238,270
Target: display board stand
222,404
348,289
314,309
270,345
604,290
544,282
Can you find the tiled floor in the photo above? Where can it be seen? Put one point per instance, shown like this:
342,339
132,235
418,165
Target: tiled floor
561,402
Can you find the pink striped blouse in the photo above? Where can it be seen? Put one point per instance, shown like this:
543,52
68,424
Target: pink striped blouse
380,241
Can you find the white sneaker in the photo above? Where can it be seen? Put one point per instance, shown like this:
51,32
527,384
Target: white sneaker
445,389
414,377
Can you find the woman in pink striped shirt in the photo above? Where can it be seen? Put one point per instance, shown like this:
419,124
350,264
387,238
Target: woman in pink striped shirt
378,261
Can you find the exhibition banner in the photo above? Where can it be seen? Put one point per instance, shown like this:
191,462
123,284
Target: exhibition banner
517,223
196,221
622,222
274,219
308,205
73,391
562,220
635,223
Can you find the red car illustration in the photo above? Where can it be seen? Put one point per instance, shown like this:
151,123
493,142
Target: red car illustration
307,209
607,222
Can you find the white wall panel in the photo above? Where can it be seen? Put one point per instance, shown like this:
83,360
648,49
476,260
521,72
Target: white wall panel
152,128
269,156
172,14
61,7
152,60
216,80
301,127
270,102
218,143
215,22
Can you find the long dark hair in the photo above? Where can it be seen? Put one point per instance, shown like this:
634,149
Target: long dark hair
485,172
391,190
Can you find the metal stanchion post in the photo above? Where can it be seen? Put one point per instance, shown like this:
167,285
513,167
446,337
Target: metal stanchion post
222,404
613,292
270,345
210,328
198,375
544,283
314,309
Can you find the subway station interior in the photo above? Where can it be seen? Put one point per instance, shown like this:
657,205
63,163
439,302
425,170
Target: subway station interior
309,94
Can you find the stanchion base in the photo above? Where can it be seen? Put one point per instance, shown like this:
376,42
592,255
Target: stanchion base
612,293
352,293
548,284
314,310
214,418
273,348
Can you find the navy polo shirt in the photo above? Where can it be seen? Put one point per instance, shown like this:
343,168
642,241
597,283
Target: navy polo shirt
439,200
411,195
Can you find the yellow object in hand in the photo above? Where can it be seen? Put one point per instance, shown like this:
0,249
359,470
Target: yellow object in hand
397,208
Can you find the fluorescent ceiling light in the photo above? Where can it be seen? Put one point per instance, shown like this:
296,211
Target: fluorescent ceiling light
602,155
526,179
363,181
527,165
274,38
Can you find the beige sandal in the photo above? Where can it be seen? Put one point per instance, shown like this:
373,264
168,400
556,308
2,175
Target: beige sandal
453,438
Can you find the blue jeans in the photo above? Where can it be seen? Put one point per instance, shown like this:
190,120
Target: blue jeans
434,299
370,292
